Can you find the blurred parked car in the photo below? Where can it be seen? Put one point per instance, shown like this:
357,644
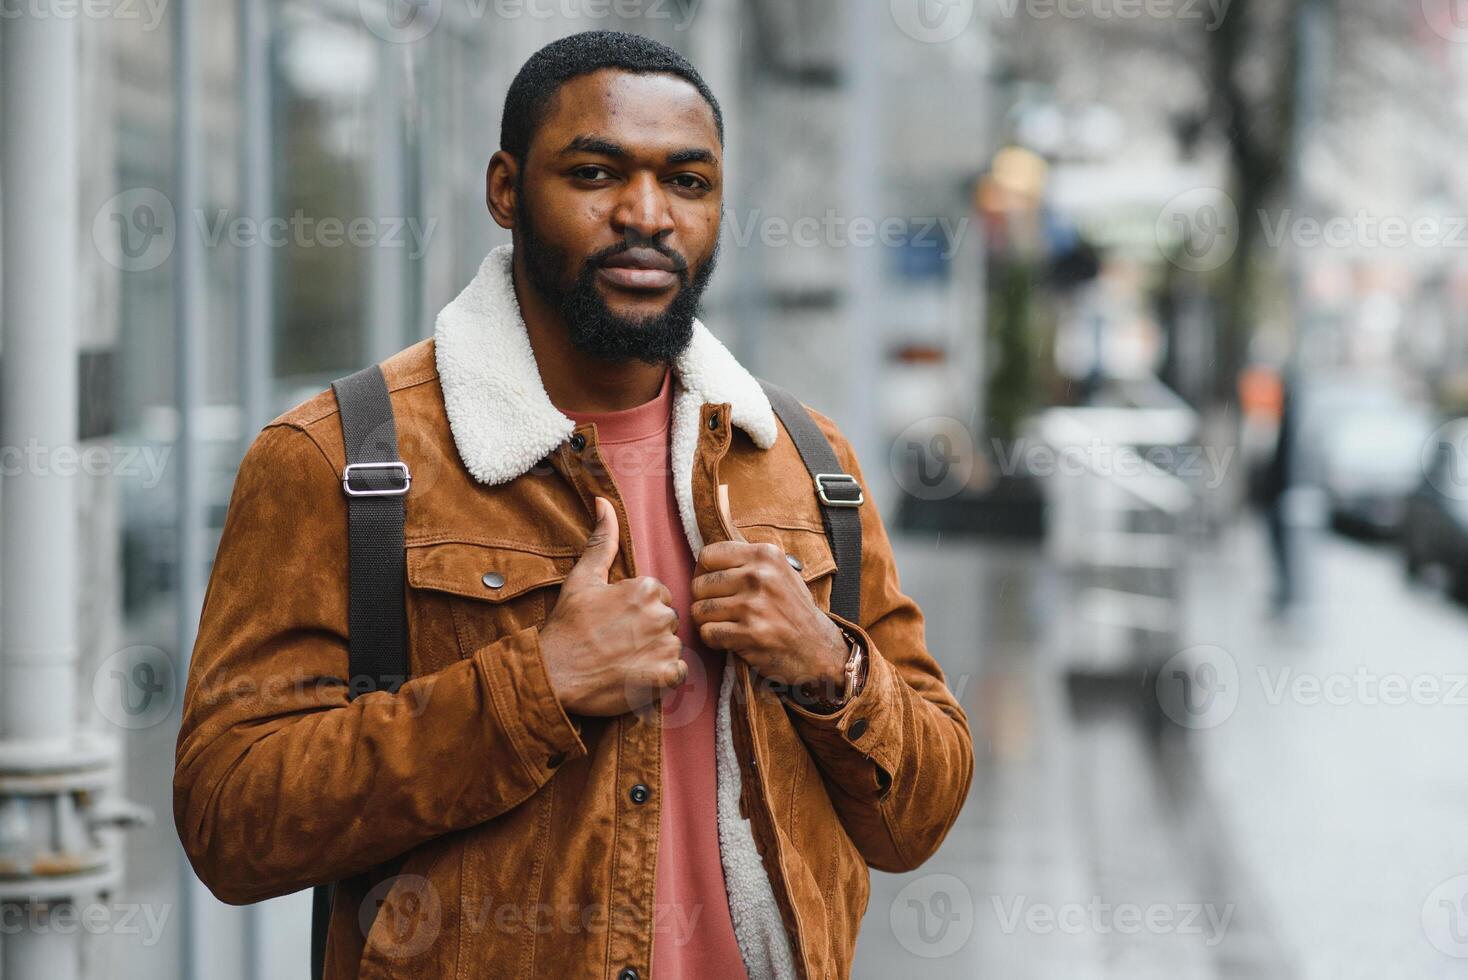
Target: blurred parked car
1435,529
1372,463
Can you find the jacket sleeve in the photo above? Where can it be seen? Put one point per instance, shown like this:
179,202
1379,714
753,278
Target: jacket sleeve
281,782
897,759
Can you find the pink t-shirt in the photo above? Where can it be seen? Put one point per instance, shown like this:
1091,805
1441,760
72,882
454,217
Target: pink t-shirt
693,935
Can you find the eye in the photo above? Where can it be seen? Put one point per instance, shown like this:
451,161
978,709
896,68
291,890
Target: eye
692,182
592,172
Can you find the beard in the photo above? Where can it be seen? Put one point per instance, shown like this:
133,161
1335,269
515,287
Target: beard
594,328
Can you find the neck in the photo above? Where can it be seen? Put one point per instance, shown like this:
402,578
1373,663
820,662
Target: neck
575,381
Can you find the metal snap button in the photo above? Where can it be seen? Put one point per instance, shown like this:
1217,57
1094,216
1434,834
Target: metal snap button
713,421
795,563
493,580
857,729
640,794
578,442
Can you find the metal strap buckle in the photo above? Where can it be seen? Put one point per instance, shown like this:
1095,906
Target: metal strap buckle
841,483
396,465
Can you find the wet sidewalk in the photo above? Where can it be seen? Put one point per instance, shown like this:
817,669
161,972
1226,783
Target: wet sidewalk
1087,849
1337,758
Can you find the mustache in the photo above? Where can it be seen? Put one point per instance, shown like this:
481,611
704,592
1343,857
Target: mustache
680,263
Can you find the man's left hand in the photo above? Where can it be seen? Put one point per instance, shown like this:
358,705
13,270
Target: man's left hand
747,599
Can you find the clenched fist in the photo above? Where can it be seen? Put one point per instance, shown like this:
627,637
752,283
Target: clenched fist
610,648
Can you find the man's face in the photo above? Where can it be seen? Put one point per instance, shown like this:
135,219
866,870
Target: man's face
617,211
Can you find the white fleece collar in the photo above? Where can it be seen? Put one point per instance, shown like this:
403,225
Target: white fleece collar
503,421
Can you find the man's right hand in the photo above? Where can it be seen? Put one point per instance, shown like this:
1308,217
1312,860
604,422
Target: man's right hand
610,648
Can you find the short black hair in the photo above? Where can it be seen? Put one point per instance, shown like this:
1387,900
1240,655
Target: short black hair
543,74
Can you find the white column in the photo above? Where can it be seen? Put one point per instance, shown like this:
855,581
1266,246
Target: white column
38,424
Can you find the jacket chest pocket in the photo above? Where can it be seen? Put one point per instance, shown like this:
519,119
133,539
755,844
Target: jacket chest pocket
464,594
807,552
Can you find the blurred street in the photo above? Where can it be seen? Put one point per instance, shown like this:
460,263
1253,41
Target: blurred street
1148,323
1258,845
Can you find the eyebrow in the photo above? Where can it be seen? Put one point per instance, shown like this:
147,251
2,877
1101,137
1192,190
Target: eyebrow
608,148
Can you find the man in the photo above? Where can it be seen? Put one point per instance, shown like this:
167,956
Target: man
611,760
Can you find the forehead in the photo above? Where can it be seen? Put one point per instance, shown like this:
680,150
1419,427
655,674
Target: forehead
649,113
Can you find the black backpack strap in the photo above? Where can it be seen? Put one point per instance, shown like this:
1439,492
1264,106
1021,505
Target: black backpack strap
840,496
376,482
321,897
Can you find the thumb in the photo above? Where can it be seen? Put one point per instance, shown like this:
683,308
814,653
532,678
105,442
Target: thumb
601,548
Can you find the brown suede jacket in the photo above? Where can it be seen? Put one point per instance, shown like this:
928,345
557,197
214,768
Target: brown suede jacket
498,836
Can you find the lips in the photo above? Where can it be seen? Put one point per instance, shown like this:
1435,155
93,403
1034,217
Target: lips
640,269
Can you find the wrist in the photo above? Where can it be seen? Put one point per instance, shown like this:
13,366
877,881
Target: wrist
841,683
832,671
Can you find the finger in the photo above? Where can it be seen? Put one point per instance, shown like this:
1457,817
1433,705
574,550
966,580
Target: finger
724,636
596,560
722,495
725,554
717,610
712,585
673,674
651,596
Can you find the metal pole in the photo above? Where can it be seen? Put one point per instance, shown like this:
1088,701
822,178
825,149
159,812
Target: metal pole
38,408
57,782
214,941
257,320
39,384
1303,504
863,160
257,178
385,316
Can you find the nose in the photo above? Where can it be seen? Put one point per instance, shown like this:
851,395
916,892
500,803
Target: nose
643,209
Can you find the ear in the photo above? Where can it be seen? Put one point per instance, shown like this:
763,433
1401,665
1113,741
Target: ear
499,188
